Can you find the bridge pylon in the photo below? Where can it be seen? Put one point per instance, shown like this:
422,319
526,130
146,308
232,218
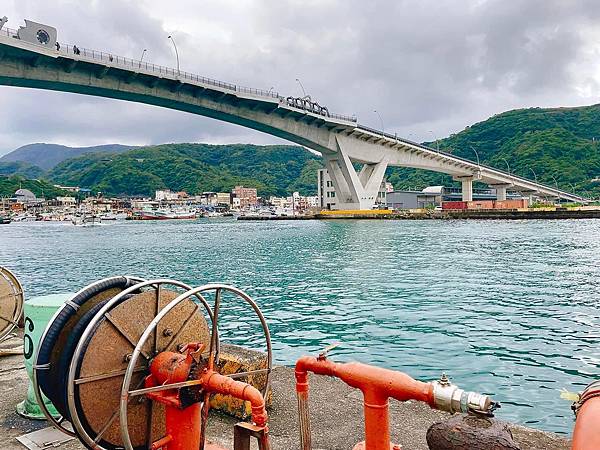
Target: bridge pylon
354,190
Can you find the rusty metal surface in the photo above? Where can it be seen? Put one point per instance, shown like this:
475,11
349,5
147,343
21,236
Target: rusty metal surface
105,360
11,301
469,432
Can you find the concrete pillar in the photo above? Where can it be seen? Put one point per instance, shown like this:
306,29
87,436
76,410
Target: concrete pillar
500,192
354,190
467,189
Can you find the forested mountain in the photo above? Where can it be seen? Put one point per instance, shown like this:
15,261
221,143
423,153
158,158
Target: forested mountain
20,168
560,142
194,168
46,156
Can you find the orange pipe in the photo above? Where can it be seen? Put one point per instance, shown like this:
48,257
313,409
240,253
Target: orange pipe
215,382
586,435
377,385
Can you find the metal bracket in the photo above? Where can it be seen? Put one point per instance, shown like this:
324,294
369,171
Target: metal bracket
243,431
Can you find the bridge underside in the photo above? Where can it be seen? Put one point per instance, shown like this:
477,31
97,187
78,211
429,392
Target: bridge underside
341,141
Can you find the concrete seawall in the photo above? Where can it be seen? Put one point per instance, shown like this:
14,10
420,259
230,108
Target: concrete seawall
336,415
442,215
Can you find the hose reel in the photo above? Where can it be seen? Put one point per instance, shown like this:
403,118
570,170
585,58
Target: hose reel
11,302
110,332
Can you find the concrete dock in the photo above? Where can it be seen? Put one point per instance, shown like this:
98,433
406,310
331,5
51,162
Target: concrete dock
336,413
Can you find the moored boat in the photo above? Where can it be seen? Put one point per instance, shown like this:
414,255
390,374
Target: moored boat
163,214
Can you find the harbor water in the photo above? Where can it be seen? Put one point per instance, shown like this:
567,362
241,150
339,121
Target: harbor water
508,308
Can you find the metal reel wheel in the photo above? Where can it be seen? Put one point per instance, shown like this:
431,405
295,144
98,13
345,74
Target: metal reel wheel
11,302
102,355
127,394
69,308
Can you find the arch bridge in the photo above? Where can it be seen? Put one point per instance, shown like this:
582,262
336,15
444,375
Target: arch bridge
31,58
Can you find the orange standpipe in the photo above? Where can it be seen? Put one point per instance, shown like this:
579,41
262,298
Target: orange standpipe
183,421
378,385
586,435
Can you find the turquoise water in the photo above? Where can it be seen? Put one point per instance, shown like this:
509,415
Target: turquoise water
508,308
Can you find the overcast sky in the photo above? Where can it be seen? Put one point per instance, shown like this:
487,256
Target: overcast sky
430,67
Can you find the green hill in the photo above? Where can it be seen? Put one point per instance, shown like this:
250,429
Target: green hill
559,142
20,168
41,188
194,168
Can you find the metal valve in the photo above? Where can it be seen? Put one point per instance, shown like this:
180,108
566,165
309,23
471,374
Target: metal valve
450,398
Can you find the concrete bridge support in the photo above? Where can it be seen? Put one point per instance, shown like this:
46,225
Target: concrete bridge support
354,190
500,190
467,188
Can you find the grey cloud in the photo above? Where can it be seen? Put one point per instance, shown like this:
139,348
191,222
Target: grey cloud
424,65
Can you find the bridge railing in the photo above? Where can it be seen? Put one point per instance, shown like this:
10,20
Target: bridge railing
112,60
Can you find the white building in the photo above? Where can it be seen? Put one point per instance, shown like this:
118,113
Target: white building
165,195
325,190
312,201
66,201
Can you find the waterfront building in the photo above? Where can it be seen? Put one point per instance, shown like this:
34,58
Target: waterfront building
409,199
247,197
66,201
223,199
433,196
165,195
312,201
325,190
25,196
280,202
68,188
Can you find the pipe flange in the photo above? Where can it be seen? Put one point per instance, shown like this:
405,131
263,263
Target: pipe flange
591,391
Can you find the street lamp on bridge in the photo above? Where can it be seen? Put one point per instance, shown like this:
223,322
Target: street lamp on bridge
381,120
534,175
142,57
477,155
301,87
437,143
507,165
176,53
556,184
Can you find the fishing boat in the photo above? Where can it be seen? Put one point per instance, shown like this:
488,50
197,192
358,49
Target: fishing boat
4,220
164,214
113,216
86,221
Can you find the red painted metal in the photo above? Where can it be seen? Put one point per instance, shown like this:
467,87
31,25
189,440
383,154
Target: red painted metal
377,385
454,205
183,425
586,435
